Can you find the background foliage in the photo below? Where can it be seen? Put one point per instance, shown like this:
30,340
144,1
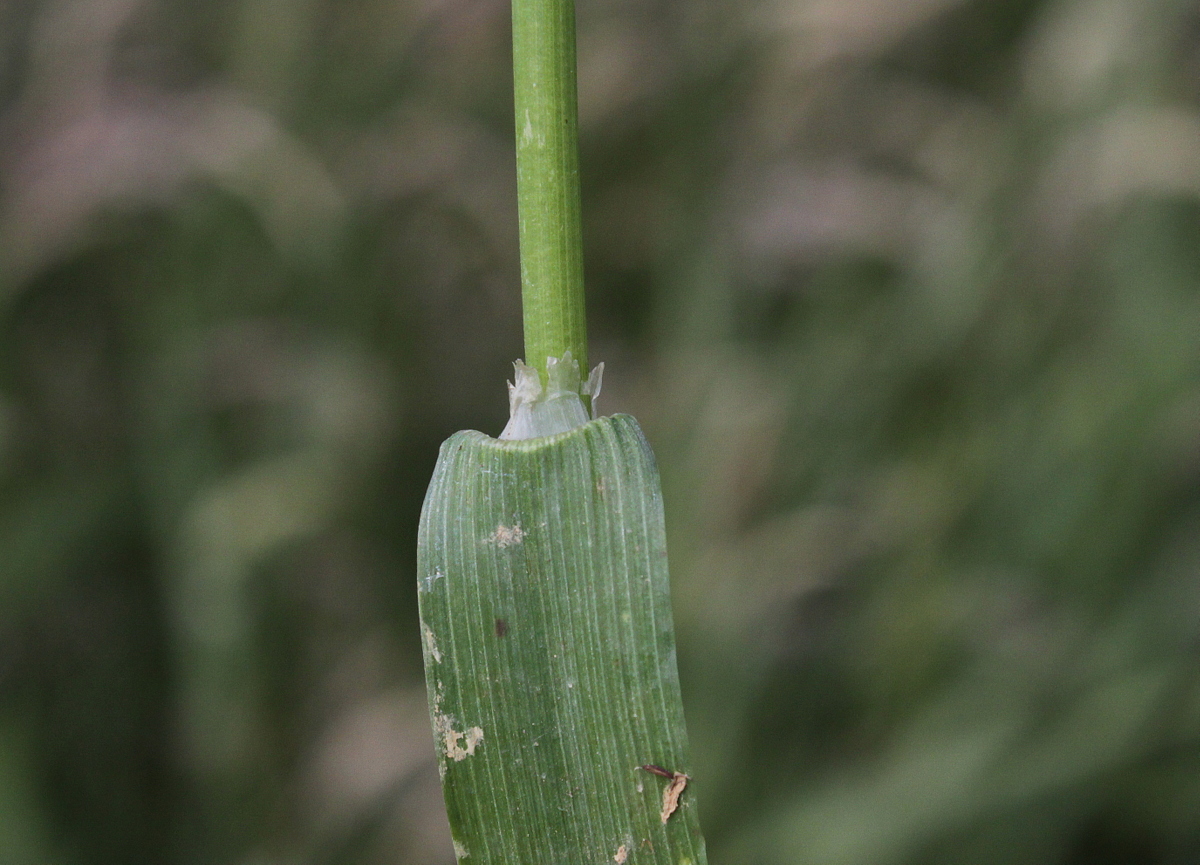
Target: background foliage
906,295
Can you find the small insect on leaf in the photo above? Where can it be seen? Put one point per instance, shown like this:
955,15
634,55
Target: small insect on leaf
673,790
671,795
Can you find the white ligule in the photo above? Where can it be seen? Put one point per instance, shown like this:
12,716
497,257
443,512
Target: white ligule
534,412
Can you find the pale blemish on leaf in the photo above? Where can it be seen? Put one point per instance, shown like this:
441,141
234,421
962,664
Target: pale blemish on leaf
507,536
460,849
430,643
457,746
428,580
527,132
474,737
621,855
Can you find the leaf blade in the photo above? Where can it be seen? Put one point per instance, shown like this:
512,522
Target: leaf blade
544,589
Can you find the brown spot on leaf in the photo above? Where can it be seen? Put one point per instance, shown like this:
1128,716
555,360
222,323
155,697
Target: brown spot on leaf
657,770
501,627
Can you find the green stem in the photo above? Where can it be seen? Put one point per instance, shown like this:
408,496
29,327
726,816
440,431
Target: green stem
548,181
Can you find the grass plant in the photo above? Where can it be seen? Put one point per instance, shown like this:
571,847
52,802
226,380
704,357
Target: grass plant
545,610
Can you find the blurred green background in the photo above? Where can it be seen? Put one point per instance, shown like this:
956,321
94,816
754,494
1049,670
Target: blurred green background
906,294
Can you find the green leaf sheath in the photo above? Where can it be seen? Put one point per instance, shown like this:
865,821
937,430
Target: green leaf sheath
548,181
550,652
